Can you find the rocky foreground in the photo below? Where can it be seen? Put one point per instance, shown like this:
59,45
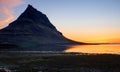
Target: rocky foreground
37,61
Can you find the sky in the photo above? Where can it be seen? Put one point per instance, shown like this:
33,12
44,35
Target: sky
80,20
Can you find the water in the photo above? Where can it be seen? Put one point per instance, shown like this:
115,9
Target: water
107,49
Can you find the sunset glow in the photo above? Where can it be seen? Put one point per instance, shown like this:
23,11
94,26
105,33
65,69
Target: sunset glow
92,37
113,49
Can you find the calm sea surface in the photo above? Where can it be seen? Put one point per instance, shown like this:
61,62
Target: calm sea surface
109,49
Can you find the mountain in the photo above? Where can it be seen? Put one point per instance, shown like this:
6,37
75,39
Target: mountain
30,31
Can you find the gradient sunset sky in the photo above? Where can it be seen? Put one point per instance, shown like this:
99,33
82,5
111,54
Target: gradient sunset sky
80,20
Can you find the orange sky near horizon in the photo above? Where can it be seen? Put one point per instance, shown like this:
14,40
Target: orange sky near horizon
112,37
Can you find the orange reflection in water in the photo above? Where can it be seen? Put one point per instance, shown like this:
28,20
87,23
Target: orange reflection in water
111,49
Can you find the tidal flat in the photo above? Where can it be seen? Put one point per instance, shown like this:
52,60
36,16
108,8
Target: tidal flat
40,61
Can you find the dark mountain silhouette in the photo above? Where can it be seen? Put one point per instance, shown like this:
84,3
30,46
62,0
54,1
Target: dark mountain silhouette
30,31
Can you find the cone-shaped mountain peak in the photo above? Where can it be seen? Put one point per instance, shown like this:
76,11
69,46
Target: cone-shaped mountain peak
35,16
30,7
30,10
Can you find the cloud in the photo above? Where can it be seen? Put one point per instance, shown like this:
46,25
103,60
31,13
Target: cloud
10,3
6,11
9,15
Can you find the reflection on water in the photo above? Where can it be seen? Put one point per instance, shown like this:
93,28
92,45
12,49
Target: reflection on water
112,49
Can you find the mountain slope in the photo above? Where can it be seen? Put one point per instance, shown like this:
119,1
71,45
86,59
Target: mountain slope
32,29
